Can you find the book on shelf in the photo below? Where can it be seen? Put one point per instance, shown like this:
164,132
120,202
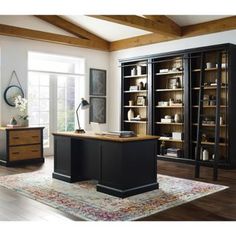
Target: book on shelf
120,134
164,120
165,138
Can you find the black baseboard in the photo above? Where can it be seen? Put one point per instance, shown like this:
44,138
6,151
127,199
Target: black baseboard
22,162
127,192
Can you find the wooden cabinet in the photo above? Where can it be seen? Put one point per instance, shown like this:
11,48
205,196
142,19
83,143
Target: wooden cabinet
135,96
183,120
21,145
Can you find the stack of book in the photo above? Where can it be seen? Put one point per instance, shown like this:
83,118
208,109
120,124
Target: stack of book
174,152
120,134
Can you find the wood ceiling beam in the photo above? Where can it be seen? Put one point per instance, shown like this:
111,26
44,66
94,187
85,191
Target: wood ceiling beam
214,26
141,23
8,30
72,28
224,24
165,22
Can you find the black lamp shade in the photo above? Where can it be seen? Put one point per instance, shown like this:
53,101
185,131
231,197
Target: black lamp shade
84,104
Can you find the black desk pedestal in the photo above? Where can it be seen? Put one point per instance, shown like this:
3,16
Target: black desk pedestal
121,168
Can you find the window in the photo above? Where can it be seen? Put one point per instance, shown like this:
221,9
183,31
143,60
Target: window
55,86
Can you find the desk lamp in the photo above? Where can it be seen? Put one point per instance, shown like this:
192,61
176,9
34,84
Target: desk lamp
83,105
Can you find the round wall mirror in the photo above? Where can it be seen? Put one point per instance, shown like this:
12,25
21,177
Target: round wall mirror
11,93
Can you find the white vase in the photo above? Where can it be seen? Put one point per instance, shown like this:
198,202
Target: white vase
130,114
177,118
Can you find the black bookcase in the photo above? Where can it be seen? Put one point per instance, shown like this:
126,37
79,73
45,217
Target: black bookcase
172,101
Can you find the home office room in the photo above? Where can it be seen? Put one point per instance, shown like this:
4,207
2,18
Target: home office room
117,117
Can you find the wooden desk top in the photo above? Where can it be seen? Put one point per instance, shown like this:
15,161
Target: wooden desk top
19,128
106,137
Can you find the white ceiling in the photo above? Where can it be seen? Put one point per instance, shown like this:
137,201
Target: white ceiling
113,31
183,20
106,30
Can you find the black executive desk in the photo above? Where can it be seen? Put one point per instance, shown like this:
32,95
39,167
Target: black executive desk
122,166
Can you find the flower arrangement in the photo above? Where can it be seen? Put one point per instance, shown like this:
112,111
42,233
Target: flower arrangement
21,105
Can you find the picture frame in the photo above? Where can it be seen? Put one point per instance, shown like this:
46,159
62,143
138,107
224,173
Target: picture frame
97,111
97,82
173,83
141,101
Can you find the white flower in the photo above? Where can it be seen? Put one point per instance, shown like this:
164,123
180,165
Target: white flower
21,104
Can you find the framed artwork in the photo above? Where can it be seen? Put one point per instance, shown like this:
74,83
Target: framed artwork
97,82
141,101
97,110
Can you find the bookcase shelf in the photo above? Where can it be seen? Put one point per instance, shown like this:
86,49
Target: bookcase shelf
181,84
134,76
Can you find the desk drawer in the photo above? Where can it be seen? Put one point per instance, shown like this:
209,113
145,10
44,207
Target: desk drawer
21,137
24,152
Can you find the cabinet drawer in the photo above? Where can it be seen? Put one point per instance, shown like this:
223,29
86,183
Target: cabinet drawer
21,137
24,152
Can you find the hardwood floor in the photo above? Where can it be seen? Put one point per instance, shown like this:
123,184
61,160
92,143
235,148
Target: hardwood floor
218,206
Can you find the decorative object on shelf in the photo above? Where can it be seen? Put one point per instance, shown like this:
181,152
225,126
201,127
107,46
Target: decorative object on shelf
146,86
138,118
83,105
140,86
177,135
212,101
139,70
133,72
177,83
209,65
141,100
177,118
163,148
13,121
221,120
13,91
174,83
131,103
205,155
167,119
204,138
97,82
177,103
97,110
133,88
21,105
174,152
130,114
171,100
206,99
163,103
208,120
223,65
163,70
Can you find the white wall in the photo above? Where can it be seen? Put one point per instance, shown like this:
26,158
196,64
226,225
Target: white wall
114,88
14,53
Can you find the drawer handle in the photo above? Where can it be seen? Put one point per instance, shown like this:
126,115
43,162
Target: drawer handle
16,153
34,150
35,136
16,137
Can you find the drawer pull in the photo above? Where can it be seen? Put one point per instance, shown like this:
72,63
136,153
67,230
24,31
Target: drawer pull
34,150
16,153
35,136
15,137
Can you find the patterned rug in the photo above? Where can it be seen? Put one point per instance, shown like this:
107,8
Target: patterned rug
82,199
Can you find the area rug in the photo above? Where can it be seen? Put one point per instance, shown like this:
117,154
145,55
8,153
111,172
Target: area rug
82,200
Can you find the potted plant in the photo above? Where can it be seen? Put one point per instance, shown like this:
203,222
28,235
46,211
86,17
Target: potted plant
21,105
